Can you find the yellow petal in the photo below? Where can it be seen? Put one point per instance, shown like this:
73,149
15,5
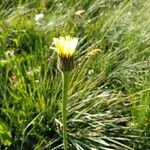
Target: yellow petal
65,46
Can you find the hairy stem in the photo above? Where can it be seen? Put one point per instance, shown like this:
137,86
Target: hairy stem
65,78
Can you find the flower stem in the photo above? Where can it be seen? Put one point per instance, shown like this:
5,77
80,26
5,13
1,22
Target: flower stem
65,77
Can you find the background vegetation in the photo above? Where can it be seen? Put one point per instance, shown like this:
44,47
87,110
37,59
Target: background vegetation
109,91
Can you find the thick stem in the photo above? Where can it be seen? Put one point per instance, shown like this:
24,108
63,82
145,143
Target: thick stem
65,77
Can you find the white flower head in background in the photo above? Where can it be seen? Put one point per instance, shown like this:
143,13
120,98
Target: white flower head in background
39,17
9,54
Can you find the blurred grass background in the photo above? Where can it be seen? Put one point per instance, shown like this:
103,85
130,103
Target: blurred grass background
109,91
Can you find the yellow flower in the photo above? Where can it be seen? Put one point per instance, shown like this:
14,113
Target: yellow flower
65,46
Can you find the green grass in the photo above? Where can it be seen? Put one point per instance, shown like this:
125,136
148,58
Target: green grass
109,91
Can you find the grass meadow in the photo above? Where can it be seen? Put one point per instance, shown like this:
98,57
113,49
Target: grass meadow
109,91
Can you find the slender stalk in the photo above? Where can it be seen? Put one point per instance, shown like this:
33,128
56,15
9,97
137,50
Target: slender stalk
65,78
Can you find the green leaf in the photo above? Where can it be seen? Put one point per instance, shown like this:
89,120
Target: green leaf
5,136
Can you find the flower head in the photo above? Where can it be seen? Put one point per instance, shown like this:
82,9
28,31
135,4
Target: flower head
65,46
39,17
